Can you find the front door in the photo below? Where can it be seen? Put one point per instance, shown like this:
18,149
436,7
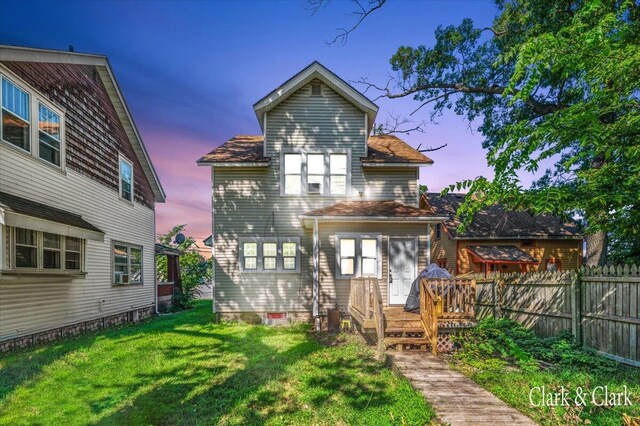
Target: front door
402,268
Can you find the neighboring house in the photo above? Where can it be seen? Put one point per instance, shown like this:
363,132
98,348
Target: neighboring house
498,240
77,196
312,202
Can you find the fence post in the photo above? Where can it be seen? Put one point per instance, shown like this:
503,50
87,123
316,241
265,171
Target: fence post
576,300
495,290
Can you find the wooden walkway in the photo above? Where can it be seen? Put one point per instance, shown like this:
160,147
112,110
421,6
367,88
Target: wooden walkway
457,399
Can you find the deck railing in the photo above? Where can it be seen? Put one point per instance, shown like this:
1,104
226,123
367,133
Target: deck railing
428,314
365,303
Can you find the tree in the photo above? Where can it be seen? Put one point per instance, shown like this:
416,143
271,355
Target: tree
549,80
195,270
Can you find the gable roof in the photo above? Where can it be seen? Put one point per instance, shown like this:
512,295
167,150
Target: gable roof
25,54
501,254
497,222
248,149
312,71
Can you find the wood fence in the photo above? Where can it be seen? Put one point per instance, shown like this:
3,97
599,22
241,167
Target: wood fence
600,306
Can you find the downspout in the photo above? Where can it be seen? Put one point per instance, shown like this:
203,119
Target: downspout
155,269
213,243
316,276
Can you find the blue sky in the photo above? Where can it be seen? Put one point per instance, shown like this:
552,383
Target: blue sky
191,71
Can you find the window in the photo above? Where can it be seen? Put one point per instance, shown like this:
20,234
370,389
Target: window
438,231
15,115
26,248
289,251
358,256
269,254
315,173
72,253
292,173
369,257
51,251
338,170
250,255
44,252
442,263
126,180
316,90
49,135
127,264
553,265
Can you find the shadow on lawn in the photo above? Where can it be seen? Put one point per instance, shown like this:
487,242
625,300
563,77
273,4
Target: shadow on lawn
206,391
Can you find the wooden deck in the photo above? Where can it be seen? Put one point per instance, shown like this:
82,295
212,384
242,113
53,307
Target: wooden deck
445,306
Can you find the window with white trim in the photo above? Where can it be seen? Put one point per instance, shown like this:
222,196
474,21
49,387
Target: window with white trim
48,134
44,252
292,174
127,264
269,254
315,173
338,169
358,255
30,122
126,179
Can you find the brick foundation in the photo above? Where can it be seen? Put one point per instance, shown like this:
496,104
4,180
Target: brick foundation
77,329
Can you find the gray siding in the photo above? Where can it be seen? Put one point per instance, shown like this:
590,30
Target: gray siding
247,203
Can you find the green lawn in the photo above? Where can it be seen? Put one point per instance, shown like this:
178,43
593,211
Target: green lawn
184,369
508,360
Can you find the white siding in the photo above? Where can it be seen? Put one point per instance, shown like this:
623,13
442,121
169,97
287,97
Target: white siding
399,184
32,304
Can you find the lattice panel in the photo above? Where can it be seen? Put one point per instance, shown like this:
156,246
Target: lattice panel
445,344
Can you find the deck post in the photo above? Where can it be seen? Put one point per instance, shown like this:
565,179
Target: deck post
316,275
428,244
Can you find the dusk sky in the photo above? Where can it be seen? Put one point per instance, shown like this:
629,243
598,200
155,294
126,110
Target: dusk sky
191,71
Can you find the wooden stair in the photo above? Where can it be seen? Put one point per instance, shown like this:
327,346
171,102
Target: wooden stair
404,330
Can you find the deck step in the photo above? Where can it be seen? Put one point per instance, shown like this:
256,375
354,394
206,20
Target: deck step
406,341
398,330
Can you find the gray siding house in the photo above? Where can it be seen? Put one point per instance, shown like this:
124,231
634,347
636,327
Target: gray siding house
312,202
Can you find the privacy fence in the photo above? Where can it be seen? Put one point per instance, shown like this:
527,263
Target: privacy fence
599,305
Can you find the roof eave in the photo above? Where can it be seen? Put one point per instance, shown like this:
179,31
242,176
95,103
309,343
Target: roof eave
367,164
236,164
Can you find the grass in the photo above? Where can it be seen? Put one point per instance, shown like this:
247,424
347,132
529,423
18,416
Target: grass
508,360
184,369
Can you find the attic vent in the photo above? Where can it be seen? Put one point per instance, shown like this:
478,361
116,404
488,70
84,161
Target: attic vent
316,90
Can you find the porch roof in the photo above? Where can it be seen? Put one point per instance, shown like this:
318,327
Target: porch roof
501,254
370,211
24,213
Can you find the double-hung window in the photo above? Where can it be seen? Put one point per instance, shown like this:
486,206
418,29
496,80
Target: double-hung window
292,174
269,254
44,252
358,255
338,170
126,179
315,173
16,106
127,263
48,135
23,107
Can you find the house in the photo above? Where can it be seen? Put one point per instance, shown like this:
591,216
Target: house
500,240
77,197
312,202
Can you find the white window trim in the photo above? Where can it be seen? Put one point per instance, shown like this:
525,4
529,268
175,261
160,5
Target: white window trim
326,186
113,263
122,158
10,266
358,254
35,98
260,255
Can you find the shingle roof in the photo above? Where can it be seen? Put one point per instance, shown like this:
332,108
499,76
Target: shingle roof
249,149
497,222
391,149
502,254
390,209
19,205
238,149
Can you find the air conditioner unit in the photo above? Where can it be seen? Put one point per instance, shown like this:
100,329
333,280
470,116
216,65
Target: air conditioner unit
313,187
122,279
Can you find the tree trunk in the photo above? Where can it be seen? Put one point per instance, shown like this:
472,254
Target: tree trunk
596,249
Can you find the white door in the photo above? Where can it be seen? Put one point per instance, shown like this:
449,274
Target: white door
402,268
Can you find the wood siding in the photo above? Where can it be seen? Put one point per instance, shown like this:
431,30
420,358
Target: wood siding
94,134
29,304
247,202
